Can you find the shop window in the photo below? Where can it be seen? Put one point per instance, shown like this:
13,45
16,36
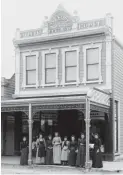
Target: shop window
92,64
116,127
31,70
50,68
70,66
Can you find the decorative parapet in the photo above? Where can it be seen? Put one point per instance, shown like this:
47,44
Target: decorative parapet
91,24
62,22
31,33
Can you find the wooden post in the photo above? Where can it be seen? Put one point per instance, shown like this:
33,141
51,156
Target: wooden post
87,121
30,135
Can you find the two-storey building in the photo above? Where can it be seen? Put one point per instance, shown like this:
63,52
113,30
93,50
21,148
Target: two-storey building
68,76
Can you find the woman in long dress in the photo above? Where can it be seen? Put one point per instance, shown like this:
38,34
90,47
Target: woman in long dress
65,151
80,162
49,151
97,155
24,152
73,150
41,146
57,149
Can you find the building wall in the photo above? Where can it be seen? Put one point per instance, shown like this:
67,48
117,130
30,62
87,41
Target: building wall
118,86
8,89
60,44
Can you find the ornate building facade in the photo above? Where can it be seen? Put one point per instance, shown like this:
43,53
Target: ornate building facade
67,73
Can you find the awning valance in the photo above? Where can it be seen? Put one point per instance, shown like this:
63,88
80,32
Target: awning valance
99,100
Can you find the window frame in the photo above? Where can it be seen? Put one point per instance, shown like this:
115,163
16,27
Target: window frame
43,81
117,136
70,49
25,55
85,48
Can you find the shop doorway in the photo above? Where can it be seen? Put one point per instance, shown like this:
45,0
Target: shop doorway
69,123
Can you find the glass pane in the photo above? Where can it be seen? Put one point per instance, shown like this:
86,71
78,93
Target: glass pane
93,72
92,56
50,60
50,75
31,62
71,58
31,77
70,74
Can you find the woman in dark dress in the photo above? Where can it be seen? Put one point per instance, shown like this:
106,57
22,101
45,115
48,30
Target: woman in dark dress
97,155
80,162
24,152
49,151
41,149
72,153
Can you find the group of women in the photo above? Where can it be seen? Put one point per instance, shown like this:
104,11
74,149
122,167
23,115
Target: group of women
56,151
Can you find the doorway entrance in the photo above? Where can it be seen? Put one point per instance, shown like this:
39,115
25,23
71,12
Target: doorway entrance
69,123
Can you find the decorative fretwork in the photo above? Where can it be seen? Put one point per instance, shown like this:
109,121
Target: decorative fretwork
99,108
58,107
15,109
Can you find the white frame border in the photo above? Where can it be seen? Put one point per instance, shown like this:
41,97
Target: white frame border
92,46
50,51
24,85
63,66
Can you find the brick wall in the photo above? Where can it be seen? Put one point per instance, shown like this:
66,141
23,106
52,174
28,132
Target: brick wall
118,84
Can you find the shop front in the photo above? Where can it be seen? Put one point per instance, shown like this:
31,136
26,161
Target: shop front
88,112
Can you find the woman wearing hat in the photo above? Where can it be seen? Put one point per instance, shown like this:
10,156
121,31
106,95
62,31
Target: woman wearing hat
97,155
24,152
80,162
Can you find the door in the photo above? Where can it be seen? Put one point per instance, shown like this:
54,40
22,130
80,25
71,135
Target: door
9,146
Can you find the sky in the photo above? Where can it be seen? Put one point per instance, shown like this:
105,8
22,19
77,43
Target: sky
29,14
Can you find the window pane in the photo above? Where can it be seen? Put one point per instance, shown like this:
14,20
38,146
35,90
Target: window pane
92,56
50,60
93,72
70,74
50,75
31,77
71,58
30,62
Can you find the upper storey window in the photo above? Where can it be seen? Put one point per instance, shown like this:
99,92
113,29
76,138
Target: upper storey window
31,70
50,68
70,66
92,63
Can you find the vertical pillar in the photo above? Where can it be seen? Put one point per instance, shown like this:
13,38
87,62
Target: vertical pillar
87,122
30,135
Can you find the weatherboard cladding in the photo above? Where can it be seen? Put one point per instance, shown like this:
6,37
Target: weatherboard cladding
9,89
118,84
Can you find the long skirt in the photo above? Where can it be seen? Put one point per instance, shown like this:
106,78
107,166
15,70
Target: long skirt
64,154
57,154
80,161
24,156
39,160
72,158
49,156
97,160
